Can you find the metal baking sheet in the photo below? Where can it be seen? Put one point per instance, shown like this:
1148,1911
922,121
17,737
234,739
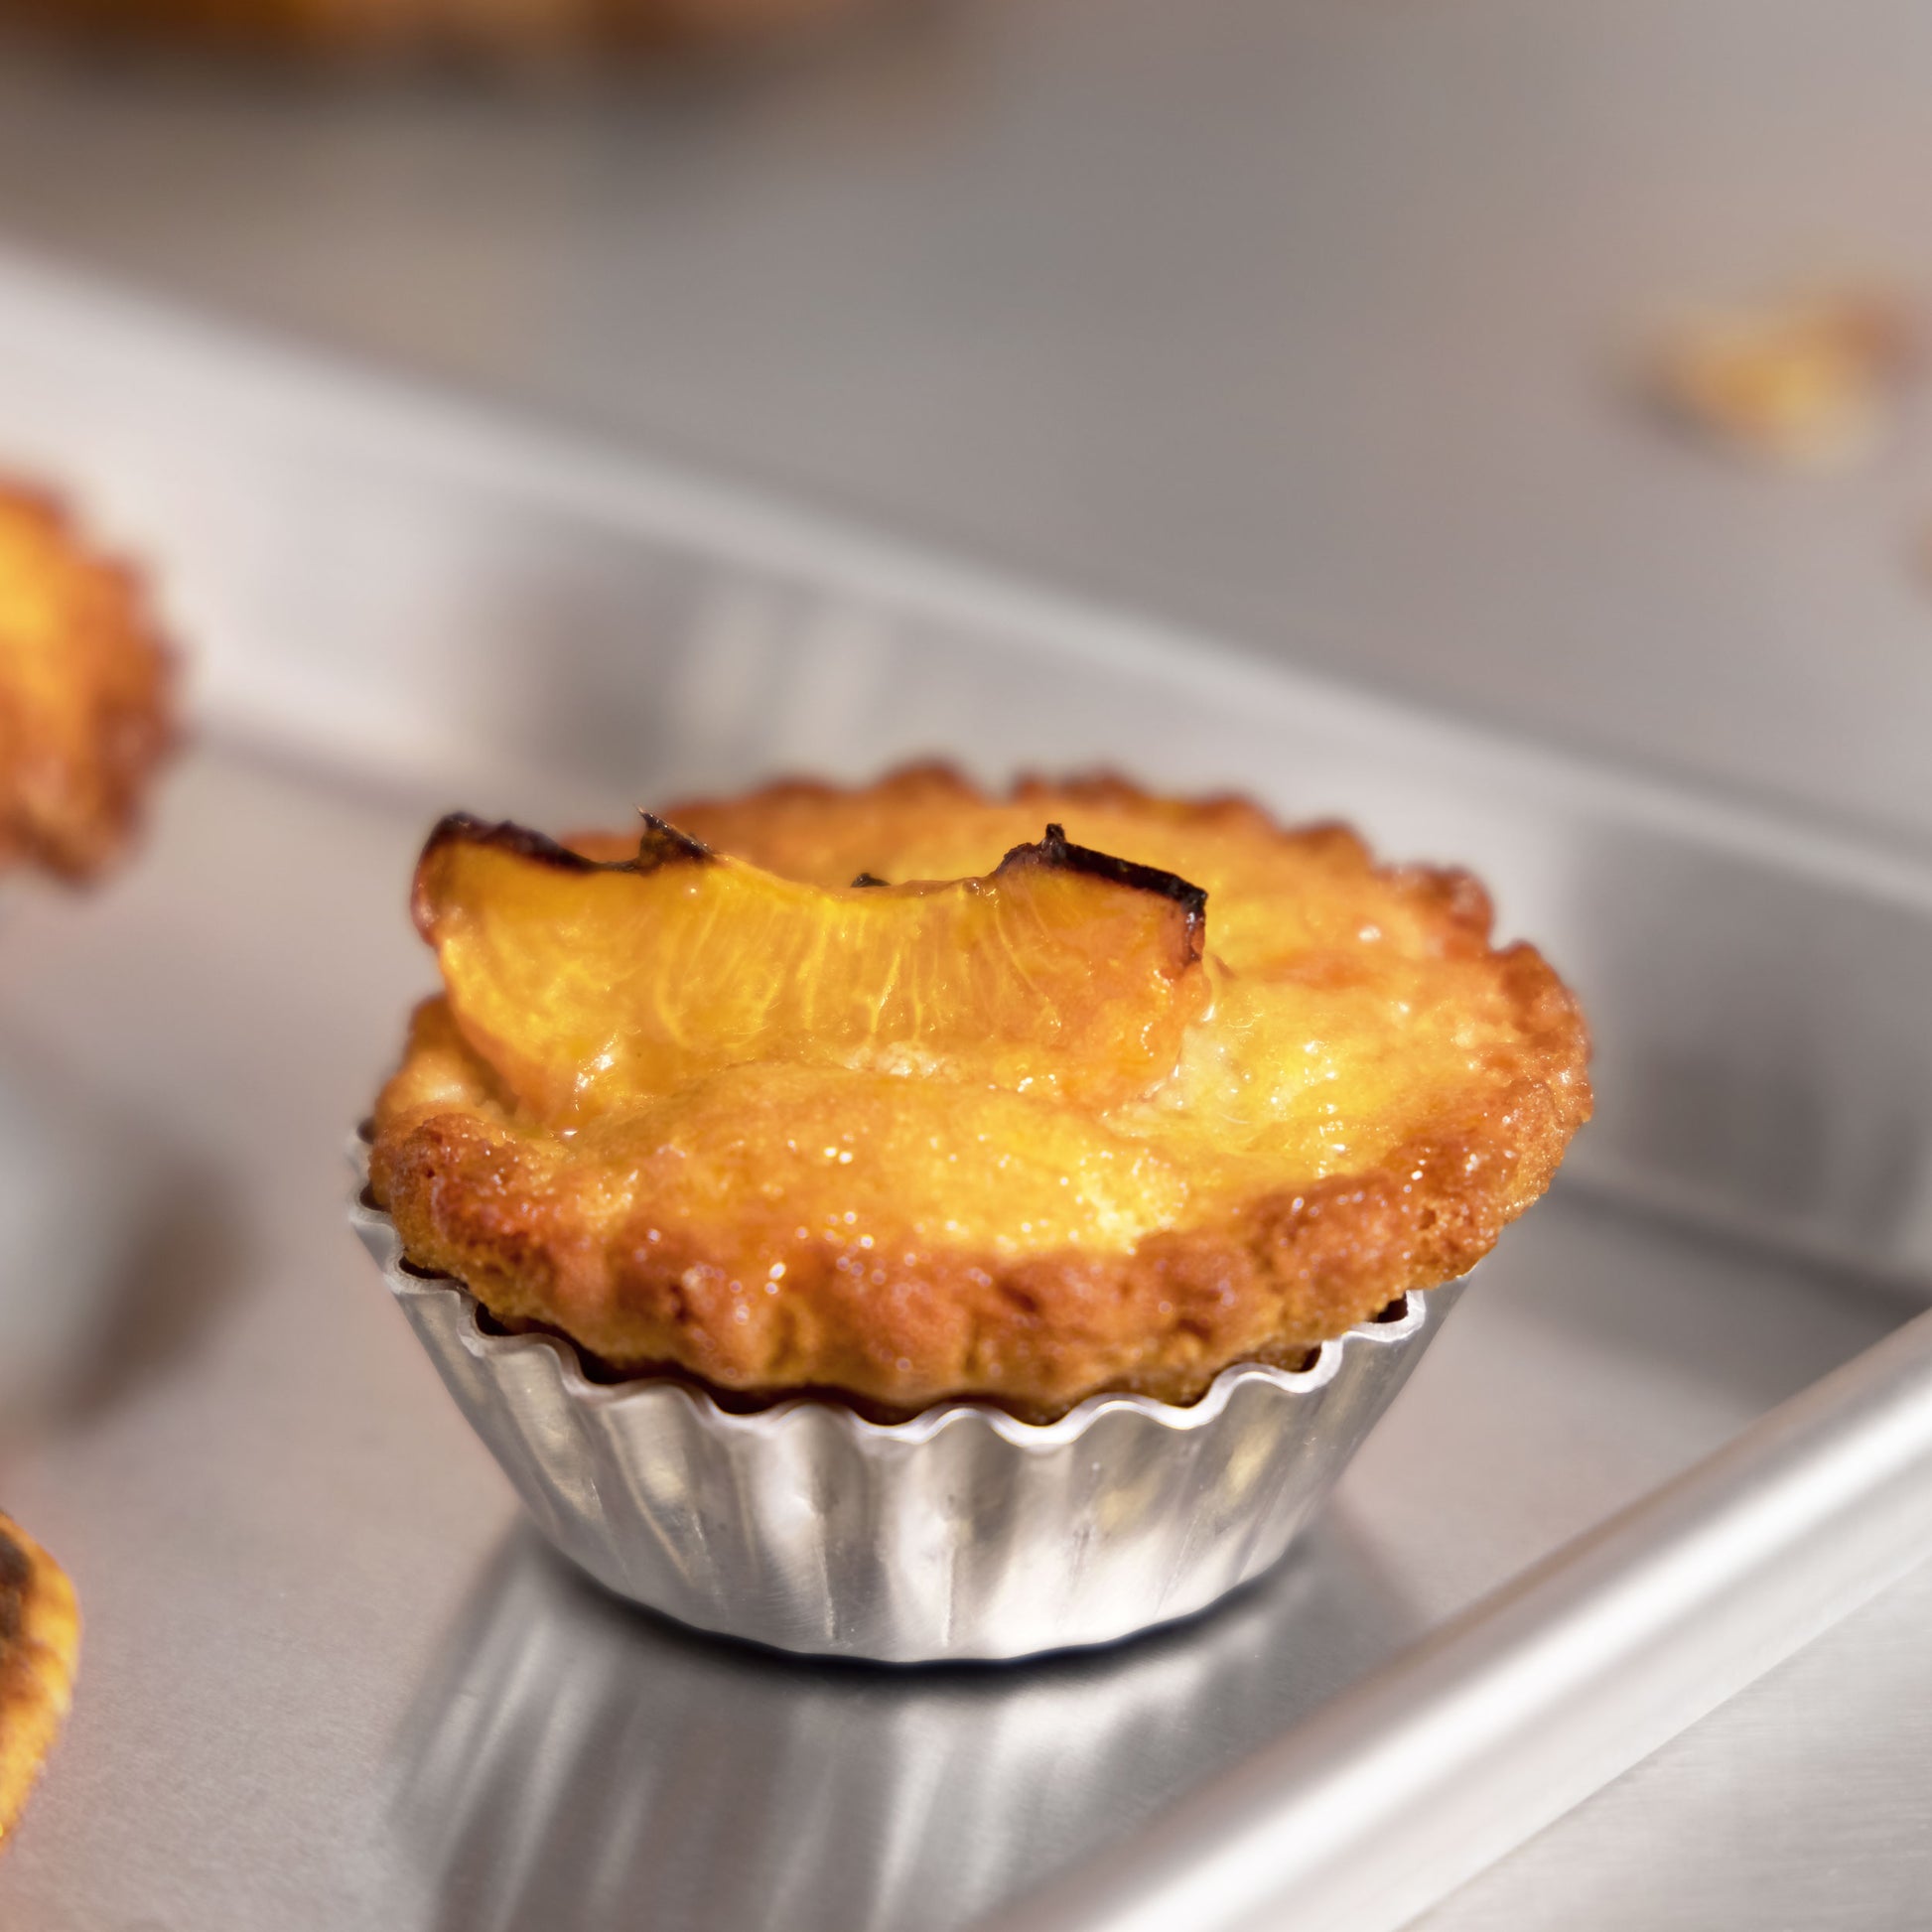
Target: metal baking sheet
330,1680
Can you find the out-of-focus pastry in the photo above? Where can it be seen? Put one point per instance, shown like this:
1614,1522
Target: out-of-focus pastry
86,694
1813,380
39,1647
496,33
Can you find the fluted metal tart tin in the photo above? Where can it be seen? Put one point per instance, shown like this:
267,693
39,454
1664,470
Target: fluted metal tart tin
962,1533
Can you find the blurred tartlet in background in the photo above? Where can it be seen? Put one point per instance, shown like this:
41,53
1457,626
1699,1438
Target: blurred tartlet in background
40,1646
88,716
1814,379
86,694
492,34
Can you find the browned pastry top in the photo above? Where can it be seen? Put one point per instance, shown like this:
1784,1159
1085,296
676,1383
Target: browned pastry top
1028,1136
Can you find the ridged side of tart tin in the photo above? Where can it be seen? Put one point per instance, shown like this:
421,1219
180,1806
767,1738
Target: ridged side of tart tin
960,1534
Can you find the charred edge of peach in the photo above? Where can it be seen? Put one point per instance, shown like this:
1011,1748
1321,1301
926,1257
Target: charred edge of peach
658,845
1057,853
662,844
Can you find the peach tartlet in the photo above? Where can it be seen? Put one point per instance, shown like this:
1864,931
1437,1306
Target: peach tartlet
85,695
907,1092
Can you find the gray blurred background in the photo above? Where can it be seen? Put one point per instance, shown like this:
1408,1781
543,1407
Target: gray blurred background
1309,321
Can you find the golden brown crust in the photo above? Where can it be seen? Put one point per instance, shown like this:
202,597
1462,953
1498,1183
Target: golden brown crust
86,707
39,1646
763,1295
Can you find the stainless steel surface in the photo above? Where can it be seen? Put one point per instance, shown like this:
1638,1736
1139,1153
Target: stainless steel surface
1793,1805
1307,321
289,1544
1501,1721
961,1534
286,1536
80,1199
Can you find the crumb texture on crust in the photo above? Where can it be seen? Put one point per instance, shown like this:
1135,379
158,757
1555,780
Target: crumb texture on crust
86,703
40,1646
1369,1094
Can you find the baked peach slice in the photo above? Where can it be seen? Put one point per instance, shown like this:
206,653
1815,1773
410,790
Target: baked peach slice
587,986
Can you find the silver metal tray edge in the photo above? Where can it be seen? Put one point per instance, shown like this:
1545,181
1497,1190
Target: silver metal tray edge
1450,1755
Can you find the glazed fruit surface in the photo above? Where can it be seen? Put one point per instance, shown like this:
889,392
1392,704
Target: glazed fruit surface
595,988
1017,1131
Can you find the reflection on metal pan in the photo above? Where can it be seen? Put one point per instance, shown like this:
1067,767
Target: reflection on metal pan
574,1764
